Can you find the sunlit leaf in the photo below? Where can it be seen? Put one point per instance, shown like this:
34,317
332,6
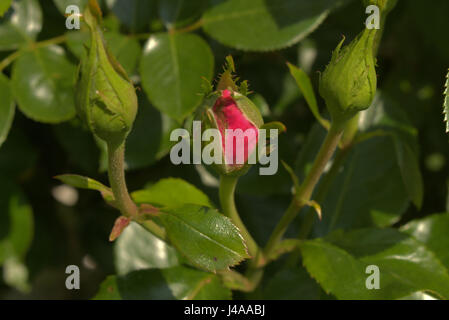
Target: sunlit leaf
205,237
42,83
171,192
171,68
339,264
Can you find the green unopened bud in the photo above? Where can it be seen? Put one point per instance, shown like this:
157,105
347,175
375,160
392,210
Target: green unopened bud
348,84
105,99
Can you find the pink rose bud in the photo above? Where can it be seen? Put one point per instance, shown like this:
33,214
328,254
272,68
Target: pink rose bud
237,120
229,116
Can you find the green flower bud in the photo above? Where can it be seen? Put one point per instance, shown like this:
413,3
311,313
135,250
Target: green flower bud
349,82
105,97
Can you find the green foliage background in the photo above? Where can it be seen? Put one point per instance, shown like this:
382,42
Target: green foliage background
387,201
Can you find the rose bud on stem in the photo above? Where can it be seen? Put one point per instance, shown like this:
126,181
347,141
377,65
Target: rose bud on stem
348,86
237,120
106,101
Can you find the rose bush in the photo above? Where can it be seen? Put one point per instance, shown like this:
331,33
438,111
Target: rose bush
363,182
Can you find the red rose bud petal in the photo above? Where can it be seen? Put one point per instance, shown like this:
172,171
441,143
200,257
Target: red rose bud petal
120,224
229,116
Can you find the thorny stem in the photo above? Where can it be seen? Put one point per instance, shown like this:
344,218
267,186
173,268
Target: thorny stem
301,198
304,193
306,226
226,193
123,201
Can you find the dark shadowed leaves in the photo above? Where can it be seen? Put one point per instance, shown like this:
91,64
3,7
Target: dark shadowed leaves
180,283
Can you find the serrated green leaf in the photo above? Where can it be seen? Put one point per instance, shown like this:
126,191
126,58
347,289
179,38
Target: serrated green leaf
7,108
138,249
20,25
339,265
171,192
206,238
171,69
432,231
42,83
305,85
180,283
262,25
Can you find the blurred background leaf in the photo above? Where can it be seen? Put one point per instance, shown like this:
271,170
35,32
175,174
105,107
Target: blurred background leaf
42,83
20,24
7,108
